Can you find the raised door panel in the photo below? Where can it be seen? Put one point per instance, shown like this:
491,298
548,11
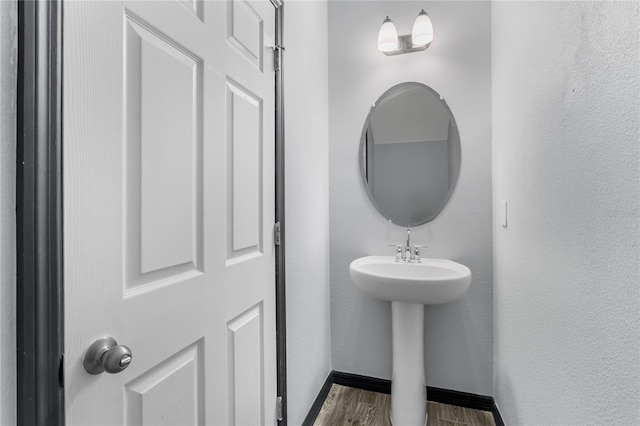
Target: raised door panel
244,173
169,394
245,31
162,115
245,365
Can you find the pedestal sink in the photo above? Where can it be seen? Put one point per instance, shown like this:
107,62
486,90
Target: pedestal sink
409,286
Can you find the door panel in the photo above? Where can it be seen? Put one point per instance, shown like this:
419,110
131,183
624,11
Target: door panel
245,365
244,172
163,151
179,376
168,177
245,30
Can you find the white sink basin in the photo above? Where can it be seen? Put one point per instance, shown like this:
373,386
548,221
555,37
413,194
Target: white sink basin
433,281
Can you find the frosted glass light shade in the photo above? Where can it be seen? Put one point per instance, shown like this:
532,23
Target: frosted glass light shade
387,36
422,33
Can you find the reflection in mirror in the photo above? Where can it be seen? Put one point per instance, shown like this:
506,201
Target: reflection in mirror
410,154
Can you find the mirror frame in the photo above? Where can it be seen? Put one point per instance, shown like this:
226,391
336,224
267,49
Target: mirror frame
361,154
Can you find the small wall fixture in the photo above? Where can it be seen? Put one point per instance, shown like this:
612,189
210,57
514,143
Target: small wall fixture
420,38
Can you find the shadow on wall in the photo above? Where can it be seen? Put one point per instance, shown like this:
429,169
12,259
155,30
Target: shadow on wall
505,386
440,320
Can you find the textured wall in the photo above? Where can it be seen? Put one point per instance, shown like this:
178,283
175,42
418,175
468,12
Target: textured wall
8,63
566,126
459,336
307,203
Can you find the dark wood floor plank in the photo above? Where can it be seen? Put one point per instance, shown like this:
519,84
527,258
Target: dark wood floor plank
444,422
329,402
345,406
450,412
363,415
477,417
335,412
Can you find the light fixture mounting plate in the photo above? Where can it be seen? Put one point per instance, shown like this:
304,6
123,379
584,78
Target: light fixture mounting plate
406,46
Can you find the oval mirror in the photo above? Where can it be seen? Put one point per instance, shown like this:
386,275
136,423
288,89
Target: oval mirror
410,154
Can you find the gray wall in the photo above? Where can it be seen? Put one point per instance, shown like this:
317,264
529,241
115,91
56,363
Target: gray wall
459,336
566,126
8,62
307,203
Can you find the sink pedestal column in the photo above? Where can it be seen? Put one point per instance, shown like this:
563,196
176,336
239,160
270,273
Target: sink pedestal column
408,391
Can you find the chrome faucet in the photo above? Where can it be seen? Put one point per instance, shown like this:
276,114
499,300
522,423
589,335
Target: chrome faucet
407,249
406,254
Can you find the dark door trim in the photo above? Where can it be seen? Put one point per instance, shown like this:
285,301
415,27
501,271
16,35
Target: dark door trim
39,304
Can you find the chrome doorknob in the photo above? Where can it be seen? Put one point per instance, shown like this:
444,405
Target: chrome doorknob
106,355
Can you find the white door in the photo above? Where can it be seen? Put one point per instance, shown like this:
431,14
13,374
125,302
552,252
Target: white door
168,140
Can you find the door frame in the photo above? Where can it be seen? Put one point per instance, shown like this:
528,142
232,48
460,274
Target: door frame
39,233
281,311
39,310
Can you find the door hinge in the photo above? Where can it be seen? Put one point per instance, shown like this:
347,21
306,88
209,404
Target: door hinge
277,57
279,408
277,233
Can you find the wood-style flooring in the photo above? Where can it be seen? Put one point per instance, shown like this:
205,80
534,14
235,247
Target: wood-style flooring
356,407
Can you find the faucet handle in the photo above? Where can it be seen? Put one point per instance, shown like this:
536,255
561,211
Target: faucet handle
398,251
416,253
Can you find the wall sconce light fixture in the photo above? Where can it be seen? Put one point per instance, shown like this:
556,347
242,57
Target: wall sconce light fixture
420,38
